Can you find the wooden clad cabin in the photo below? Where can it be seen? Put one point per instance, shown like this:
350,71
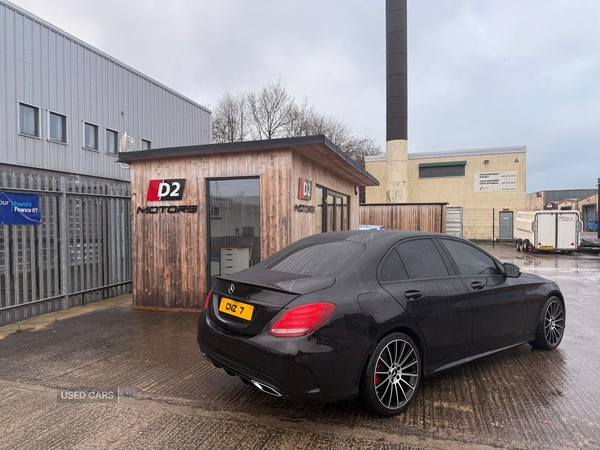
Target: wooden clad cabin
206,210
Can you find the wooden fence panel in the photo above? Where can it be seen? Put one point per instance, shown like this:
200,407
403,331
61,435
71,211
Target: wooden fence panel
429,217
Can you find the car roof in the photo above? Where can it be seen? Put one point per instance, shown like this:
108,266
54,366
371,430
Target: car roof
366,236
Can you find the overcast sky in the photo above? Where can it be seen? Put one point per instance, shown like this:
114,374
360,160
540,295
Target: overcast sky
481,73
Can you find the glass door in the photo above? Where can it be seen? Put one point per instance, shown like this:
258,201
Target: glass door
233,224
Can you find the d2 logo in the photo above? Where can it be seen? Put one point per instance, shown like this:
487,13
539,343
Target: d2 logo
305,189
161,190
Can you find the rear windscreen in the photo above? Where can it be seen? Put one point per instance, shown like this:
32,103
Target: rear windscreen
322,259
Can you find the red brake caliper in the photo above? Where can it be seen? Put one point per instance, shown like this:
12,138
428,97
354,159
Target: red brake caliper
377,377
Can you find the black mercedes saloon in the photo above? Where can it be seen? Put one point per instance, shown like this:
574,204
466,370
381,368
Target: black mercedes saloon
370,313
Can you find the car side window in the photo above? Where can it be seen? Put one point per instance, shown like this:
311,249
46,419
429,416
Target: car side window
393,269
469,260
422,259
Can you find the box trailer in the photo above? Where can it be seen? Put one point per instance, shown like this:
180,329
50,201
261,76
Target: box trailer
548,230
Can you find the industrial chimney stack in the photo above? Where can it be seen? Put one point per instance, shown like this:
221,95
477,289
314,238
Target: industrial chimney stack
397,101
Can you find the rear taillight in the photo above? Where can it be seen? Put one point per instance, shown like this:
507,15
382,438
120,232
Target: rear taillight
207,301
302,320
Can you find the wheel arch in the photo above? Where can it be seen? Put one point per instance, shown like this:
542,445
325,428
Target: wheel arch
556,294
553,293
411,333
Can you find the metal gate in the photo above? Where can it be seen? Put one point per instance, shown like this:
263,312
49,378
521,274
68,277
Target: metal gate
506,225
79,253
454,221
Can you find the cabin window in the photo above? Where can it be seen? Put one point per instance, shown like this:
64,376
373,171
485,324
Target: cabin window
333,212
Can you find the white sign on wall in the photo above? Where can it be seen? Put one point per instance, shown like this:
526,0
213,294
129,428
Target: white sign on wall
496,181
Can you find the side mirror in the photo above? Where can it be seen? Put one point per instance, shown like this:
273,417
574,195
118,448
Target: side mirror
511,271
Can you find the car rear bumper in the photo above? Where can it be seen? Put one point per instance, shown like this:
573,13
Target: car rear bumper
307,369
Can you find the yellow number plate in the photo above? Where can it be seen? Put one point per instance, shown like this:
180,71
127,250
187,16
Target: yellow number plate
546,247
237,309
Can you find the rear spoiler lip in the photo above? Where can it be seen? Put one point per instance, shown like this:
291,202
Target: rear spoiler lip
274,287
230,279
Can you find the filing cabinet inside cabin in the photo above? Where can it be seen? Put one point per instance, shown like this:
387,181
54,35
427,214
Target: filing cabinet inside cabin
234,259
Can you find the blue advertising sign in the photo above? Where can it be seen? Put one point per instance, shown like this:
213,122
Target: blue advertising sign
19,209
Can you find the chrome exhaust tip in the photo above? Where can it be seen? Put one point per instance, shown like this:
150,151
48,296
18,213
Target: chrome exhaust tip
266,389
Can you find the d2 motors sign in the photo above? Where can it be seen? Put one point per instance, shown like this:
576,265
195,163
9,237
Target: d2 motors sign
305,189
164,190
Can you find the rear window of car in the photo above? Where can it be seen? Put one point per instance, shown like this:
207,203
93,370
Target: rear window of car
422,259
318,259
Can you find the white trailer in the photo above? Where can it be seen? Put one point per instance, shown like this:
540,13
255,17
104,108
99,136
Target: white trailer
548,230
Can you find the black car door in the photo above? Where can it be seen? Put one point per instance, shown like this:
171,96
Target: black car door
417,276
499,307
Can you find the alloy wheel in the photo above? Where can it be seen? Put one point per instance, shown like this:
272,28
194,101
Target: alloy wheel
396,374
554,323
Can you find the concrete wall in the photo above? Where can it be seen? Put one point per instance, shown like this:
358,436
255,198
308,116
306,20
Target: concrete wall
480,208
377,167
534,201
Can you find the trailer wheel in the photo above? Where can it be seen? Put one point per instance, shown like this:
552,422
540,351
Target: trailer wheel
519,245
526,245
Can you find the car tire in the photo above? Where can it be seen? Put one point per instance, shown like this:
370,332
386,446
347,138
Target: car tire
551,325
392,375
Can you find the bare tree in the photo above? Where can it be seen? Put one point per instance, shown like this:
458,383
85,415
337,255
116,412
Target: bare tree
298,124
272,113
359,147
269,111
306,121
228,118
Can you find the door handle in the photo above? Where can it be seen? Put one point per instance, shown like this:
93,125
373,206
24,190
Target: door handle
413,295
477,285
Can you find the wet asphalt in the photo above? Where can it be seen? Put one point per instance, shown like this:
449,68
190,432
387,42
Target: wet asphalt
519,398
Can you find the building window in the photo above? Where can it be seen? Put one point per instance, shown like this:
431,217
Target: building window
442,169
146,145
90,134
332,211
112,141
29,120
58,127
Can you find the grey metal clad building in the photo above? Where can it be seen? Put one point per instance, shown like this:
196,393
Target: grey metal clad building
64,105
558,195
